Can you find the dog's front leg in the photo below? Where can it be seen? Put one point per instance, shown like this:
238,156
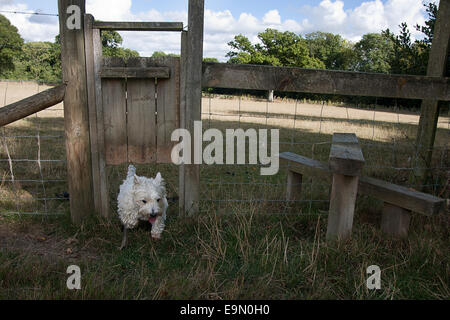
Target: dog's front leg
124,239
158,228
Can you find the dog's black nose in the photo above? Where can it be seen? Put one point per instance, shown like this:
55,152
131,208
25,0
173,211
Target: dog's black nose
153,215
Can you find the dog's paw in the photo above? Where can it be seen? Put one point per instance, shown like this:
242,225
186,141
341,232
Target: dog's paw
156,238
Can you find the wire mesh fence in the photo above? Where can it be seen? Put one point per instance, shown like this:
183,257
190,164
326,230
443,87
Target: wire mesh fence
33,170
32,156
387,137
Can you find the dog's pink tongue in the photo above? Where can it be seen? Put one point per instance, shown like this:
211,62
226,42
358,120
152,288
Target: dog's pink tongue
152,220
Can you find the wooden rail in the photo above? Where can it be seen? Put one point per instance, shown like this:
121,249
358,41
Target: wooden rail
31,105
255,77
137,73
139,26
399,201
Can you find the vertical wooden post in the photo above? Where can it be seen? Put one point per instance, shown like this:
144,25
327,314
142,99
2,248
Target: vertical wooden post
395,220
294,186
76,113
346,163
192,63
430,110
270,96
95,103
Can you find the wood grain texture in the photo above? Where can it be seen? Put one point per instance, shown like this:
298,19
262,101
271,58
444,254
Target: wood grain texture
395,221
168,104
28,106
76,115
193,96
139,73
139,26
437,66
98,53
346,156
294,186
141,121
342,207
115,115
90,79
287,79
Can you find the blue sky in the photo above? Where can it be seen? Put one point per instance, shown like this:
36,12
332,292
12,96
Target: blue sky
224,19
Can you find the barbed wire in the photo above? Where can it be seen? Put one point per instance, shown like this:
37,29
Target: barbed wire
30,13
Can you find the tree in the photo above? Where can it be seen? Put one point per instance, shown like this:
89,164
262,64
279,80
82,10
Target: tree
10,44
334,51
276,49
374,53
111,42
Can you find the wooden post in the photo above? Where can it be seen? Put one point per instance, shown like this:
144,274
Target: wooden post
294,186
95,102
76,112
191,100
437,63
395,220
270,96
346,163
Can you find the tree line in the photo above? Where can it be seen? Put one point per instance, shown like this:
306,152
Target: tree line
383,52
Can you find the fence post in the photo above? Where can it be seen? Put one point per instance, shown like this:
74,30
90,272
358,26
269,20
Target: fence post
191,101
76,113
346,163
430,109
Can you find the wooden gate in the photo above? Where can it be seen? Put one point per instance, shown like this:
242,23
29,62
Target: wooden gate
134,106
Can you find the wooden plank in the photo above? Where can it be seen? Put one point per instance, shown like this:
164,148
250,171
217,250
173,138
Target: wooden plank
346,156
28,106
437,66
342,207
98,53
183,79
304,165
76,114
168,119
257,77
90,79
193,97
395,220
115,115
294,186
400,196
141,122
139,26
131,72
388,192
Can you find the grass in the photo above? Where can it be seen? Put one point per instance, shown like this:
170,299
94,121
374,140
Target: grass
260,248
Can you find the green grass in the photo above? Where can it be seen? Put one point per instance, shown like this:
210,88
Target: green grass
230,250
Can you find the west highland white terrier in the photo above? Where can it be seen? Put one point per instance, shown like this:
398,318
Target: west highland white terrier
142,199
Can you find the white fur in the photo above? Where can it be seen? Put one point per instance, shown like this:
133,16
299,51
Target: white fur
131,207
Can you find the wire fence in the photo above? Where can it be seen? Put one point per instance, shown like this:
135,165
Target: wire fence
387,137
32,156
33,169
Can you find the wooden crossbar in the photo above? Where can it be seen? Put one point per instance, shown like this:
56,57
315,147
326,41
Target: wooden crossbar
139,26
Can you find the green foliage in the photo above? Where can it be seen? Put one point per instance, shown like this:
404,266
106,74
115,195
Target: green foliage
276,49
374,53
10,44
334,51
158,54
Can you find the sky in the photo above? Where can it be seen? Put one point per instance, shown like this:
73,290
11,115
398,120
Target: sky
225,19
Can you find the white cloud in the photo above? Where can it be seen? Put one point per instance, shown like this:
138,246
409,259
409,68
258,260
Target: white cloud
222,26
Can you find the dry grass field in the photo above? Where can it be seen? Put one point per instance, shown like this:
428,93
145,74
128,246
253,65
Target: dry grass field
254,246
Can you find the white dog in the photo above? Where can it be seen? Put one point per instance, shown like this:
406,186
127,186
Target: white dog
142,199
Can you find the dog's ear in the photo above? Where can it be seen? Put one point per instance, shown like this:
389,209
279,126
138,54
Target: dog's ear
159,179
136,179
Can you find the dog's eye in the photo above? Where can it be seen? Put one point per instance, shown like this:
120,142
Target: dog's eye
144,201
158,200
